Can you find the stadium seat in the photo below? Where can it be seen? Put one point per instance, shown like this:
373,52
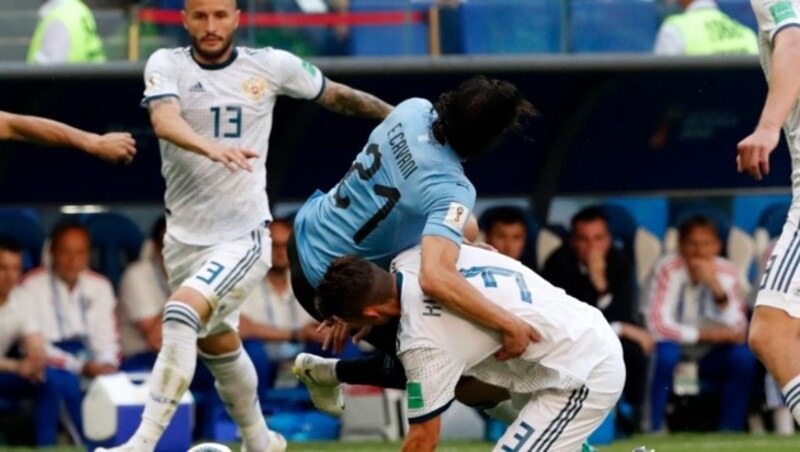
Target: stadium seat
386,40
770,225
510,26
116,242
23,226
643,247
738,245
762,216
612,25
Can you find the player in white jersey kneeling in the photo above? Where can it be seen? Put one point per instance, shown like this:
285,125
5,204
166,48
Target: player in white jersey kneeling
563,386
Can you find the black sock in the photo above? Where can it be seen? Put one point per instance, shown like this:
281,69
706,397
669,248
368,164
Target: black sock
379,369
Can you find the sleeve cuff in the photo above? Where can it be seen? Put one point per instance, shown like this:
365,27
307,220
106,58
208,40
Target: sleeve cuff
617,327
431,415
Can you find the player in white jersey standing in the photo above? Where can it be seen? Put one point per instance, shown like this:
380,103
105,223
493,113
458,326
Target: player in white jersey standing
564,386
775,328
211,106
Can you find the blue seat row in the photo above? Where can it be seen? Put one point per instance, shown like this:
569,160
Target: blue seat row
116,239
524,26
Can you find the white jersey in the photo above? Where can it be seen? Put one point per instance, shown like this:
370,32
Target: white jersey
231,103
84,314
143,292
773,16
437,346
16,320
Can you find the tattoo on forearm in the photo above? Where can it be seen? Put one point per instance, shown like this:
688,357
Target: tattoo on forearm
348,101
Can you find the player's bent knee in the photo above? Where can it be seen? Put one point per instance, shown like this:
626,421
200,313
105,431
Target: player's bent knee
220,344
193,299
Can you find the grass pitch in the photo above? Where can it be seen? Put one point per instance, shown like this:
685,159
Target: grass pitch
676,442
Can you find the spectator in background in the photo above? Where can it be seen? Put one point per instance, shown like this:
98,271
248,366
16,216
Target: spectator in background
66,33
141,300
590,269
74,307
26,376
696,310
506,230
273,325
305,40
702,29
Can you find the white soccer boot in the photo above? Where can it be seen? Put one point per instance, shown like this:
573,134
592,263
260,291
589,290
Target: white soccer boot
318,375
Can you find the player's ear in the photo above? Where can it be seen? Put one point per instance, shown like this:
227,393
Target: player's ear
183,15
236,15
370,313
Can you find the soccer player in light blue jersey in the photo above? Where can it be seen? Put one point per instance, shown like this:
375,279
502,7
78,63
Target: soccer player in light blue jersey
406,187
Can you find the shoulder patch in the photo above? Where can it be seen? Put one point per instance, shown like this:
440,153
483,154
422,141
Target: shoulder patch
456,216
781,11
310,68
415,399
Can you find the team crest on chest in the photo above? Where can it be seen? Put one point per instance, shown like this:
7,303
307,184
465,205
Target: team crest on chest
255,87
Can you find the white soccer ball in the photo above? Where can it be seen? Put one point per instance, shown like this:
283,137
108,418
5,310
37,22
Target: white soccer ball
210,447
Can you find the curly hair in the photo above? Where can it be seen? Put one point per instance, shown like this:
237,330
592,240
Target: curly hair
475,116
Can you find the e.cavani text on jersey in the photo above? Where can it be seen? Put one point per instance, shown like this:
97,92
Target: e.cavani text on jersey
401,152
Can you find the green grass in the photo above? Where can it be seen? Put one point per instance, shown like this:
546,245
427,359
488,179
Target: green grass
677,442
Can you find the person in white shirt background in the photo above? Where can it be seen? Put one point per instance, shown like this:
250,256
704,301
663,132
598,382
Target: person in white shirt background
696,310
25,376
75,310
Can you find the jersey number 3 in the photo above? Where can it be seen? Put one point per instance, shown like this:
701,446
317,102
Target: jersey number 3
391,194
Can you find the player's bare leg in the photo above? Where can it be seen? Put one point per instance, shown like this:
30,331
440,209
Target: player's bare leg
775,339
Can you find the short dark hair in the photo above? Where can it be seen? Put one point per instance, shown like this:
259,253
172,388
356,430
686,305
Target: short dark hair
587,214
502,214
10,245
158,230
474,116
350,284
65,226
696,221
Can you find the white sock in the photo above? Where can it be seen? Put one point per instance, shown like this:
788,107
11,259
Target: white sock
237,385
172,373
791,392
503,411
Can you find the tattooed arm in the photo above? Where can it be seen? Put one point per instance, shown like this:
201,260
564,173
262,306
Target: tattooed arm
342,99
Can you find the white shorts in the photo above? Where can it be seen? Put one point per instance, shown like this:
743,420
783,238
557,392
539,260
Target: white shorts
224,273
560,421
780,285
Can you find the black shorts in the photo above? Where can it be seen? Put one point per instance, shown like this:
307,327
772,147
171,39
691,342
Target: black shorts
384,338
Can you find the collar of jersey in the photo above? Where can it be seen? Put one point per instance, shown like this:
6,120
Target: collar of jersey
217,66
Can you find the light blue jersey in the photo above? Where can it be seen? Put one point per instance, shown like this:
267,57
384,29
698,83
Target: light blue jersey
403,185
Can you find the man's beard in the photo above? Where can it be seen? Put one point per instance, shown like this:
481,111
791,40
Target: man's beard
211,56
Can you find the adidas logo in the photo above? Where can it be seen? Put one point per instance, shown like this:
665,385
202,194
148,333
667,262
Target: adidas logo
197,88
